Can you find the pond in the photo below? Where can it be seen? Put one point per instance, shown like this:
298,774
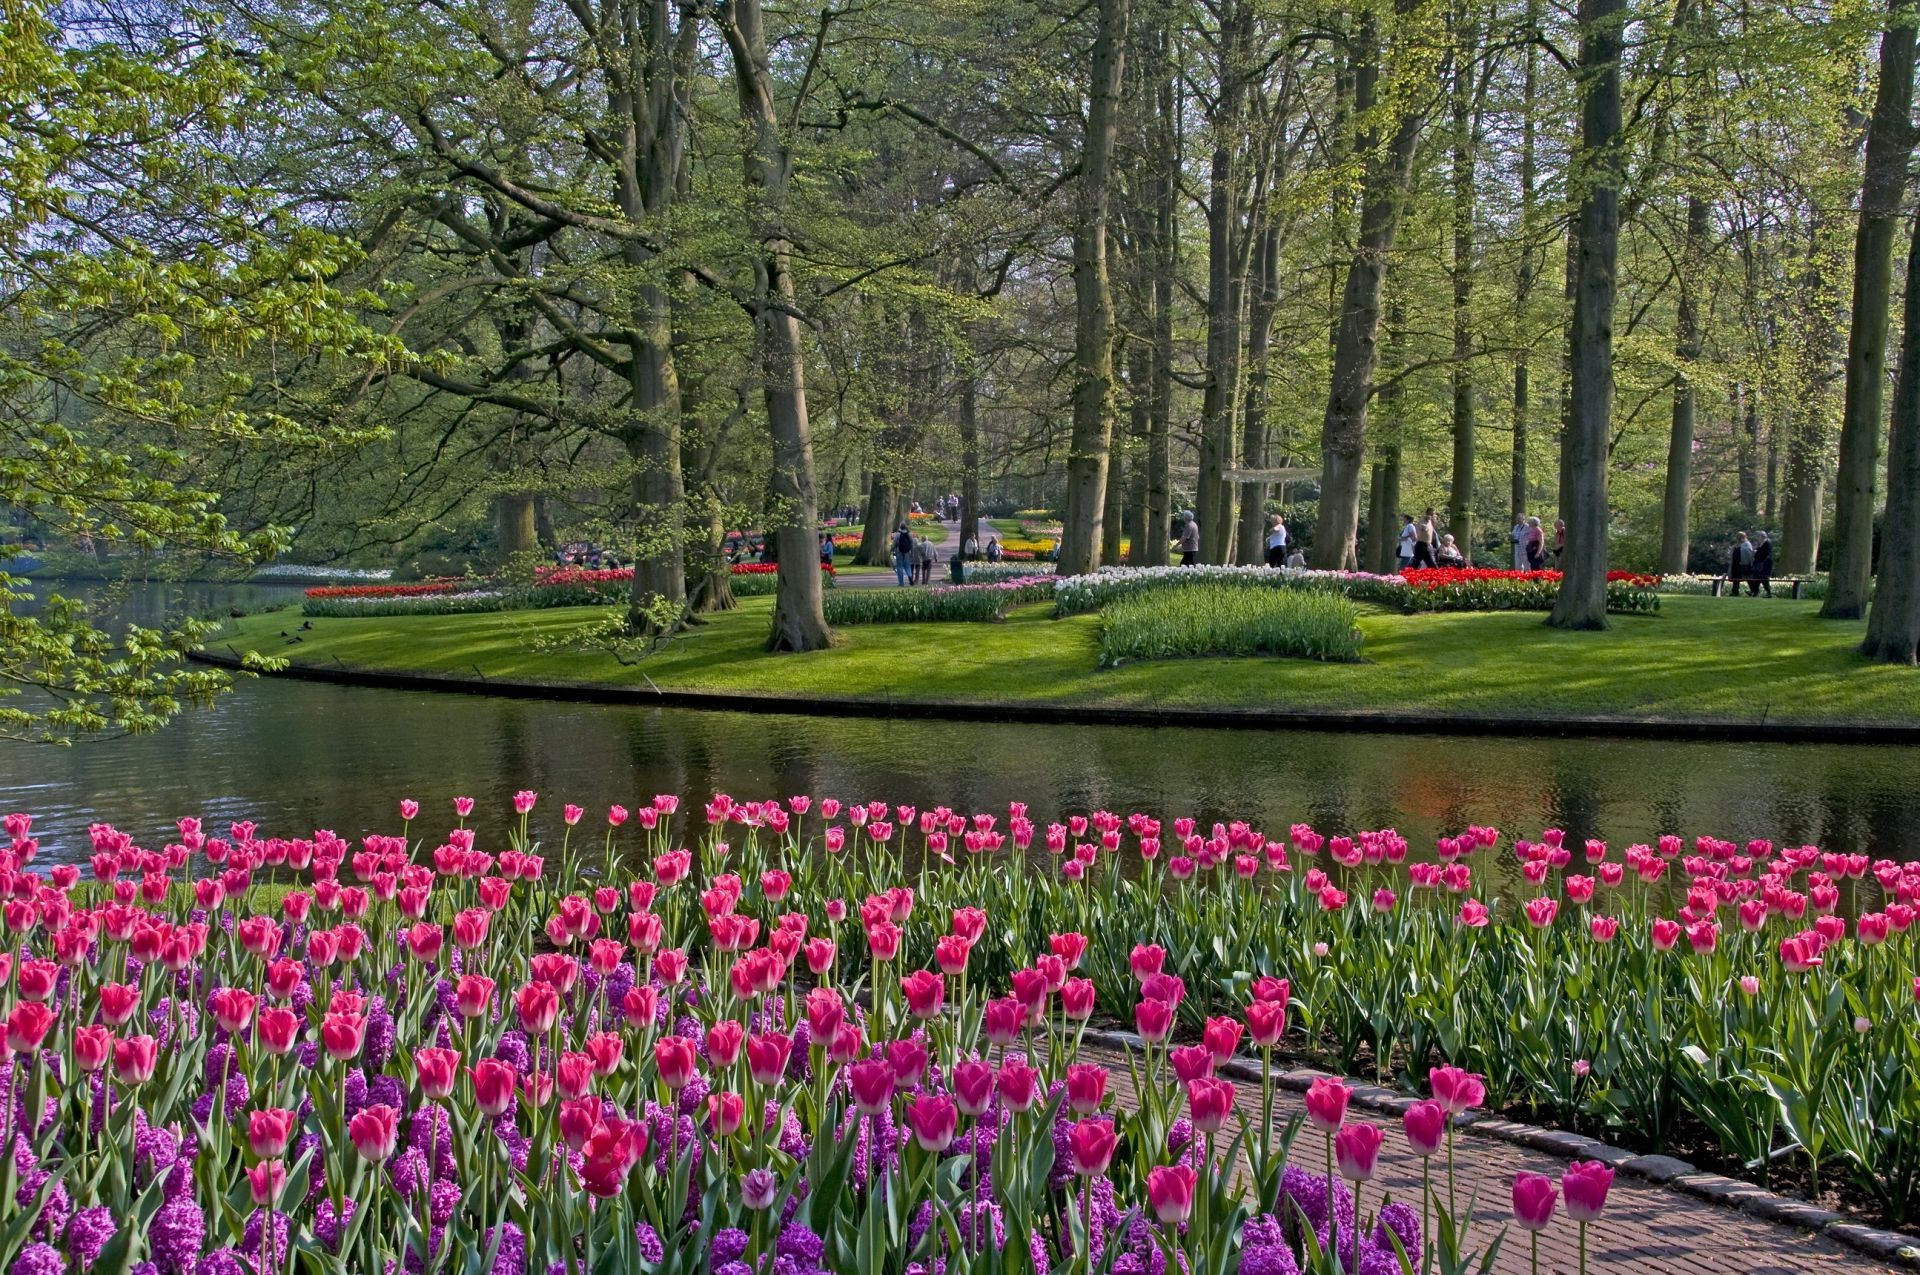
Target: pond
294,756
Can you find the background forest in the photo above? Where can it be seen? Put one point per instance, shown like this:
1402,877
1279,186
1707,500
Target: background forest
442,283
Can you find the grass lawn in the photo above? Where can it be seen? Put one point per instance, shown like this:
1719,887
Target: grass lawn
1701,658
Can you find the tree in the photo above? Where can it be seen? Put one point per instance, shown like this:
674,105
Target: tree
1582,599
1890,142
141,279
1893,622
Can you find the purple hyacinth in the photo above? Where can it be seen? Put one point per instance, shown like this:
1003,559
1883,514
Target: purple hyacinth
38,1259
89,1232
175,1236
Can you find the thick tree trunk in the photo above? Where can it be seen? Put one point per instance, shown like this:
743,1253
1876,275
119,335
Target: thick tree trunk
1226,300
798,621
1093,303
1806,490
1343,428
876,534
1582,600
513,526
1893,622
1890,140
652,439
1676,506
1523,282
1251,543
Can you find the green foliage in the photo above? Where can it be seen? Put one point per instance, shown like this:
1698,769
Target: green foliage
966,602
1220,619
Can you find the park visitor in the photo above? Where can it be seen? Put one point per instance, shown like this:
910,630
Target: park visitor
1740,562
1449,555
1189,541
1296,561
1519,536
1536,546
1559,539
1423,540
1403,551
826,551
994,552
1762,577
923,556
902,555
971,549
1276,541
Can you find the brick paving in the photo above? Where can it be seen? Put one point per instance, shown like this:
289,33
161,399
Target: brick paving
1647,1227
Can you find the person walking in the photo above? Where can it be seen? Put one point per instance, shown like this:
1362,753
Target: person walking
1276,541
1740,563
1423,540
1536,546
1403,548
1762,565
1559,540
1189,541
826,551
923,560
902,556
1519,537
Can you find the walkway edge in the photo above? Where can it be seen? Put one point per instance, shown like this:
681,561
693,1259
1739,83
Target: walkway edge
1675,1175
1055,713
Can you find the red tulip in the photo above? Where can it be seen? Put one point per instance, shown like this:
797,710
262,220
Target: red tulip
1153,1019
573,1075
725,1113
1147,959
1004,1018
1222,1036
1266,1022
118,1001
611,1152
1426,1125
342,1035
908,1058
232,1008
538,1006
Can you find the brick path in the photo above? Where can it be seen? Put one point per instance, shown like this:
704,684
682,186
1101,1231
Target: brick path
1647,1228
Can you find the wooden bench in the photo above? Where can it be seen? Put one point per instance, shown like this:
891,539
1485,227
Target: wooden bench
1720,584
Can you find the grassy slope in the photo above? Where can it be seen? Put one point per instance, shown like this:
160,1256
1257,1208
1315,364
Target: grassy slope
1701,658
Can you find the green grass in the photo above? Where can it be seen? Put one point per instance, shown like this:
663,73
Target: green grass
1701,658
1220,620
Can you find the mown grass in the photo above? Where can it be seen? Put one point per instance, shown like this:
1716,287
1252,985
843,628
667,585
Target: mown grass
1725,660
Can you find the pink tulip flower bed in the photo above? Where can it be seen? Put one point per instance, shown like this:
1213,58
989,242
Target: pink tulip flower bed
802,1036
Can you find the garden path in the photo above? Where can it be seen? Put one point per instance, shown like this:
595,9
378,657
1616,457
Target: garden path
1648,1229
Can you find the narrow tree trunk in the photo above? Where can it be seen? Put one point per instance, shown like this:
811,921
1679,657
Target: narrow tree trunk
1219,408
1460,496
1252,540
798,622
1377,516
1582,600
1156,512
1747,475
969,457
652,440
1890,140
1893,622
1343,428
1675,508
1093,303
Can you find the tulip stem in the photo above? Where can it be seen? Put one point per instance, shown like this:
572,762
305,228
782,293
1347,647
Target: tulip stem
1535,1237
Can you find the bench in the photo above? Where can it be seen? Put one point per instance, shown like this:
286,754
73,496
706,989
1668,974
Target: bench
1786,582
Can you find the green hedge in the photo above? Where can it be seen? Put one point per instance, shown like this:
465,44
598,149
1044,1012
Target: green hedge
1225,619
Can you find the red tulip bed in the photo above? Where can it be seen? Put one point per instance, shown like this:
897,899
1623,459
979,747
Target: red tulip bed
1491,589
804,1036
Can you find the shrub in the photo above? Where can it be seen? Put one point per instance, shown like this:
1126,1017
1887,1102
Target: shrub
962,602
1222,619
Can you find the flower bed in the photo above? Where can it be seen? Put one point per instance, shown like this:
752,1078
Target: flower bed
950,603
1220,619
1490,589
419,589
459,602
748,1038
1077,595
999,572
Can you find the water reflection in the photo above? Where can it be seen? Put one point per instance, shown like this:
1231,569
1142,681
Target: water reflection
296,756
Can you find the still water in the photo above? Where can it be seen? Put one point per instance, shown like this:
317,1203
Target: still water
295,756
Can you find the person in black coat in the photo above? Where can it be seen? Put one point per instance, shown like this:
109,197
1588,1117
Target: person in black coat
1762,574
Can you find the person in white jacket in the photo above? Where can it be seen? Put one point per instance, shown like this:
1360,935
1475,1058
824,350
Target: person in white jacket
1519,542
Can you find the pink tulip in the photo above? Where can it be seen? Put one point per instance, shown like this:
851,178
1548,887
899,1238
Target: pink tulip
1457,1090
375,1132
1170,1189
1326,1102
1585,1184
1266,1023
1542,911
872,1084
932,1119
1426,1127
493,1086
1092,1143
1209,1103
1533,1199
1356,1150
1086,1088
673,1056
270,1131
1019,1085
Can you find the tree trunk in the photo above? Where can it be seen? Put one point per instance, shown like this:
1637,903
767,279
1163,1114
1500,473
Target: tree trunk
513,526
1219,404
1252,540
1806,489
1460,497
1893,622
652,439
1582,600
798,621
969,457
1748,474
1376,515
1156,512
1890,139
1523,283
1675,508
876,534
1343,428
1093,303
